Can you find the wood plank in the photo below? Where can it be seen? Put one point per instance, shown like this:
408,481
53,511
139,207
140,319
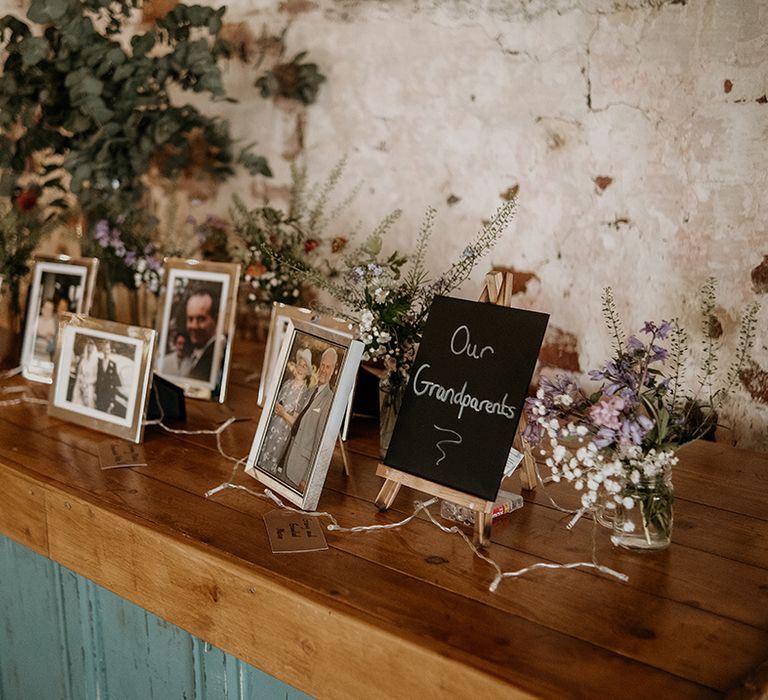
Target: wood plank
672,628
22,516
98,563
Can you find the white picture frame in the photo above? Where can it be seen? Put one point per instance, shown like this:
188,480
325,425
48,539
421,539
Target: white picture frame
58,285
195,354
303,412
102,375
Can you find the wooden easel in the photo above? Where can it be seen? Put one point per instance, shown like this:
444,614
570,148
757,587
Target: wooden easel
498,290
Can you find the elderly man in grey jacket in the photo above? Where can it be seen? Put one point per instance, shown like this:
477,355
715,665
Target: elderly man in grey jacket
307,430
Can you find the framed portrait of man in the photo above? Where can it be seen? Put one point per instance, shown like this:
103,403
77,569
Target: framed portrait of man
303,411
59,285
102,375
196,324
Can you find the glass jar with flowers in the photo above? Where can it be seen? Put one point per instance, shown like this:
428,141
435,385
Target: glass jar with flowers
617,445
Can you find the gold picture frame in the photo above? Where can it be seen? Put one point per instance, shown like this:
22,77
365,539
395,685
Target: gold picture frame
196,326
102,375
59,284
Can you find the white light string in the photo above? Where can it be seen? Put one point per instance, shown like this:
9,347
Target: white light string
334,526
8,373
420,506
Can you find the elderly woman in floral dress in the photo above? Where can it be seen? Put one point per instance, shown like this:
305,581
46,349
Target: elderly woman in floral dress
291,399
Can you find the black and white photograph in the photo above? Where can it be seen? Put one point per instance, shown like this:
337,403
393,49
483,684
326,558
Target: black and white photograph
58,287
303,412
102,375
196,326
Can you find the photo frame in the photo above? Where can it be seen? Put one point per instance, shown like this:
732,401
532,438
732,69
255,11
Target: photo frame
196,326
59,285
303,411
282,315
102,375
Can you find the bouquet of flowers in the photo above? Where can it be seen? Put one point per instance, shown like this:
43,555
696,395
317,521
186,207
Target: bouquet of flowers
277,246
390,295
617,445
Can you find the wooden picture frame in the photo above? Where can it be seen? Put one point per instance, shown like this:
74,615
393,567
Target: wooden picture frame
196,326
303,411
59,285
102,375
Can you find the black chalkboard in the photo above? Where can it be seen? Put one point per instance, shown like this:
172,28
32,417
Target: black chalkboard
466,393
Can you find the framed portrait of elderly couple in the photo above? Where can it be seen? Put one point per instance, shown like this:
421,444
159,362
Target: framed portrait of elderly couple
304,407
196,323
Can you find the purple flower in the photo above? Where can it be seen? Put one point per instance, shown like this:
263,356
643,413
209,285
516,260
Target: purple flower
663,330
659,353
596,375
635,343
605,437
606,412
375,269
649,327
130,258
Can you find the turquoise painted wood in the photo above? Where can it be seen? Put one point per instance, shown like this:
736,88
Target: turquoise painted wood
62,636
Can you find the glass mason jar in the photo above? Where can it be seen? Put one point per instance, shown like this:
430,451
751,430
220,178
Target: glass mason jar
643,521
389,406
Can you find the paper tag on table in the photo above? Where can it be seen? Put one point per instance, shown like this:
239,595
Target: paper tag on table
113,455
294,532
513,461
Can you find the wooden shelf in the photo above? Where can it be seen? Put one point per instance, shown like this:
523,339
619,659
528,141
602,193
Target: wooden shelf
400,613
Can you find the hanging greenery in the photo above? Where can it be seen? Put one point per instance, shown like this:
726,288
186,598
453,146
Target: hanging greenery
74,97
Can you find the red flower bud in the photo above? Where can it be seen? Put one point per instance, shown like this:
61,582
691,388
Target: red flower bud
310,244
27,200
338,243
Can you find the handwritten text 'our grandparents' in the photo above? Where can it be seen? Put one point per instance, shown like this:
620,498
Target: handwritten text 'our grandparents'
461,344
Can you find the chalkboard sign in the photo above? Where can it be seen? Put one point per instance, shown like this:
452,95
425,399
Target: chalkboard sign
466,393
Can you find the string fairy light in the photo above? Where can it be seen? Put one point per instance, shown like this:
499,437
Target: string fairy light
334,526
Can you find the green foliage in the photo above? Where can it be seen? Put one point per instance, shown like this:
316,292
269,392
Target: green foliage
293,79
104,112
278,248
21,231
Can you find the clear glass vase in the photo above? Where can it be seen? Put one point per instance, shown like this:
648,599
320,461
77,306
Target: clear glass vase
389,406
647,524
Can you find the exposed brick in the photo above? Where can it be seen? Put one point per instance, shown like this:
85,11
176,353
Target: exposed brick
755,381
760,277
560,350
510,193
520,278
297,7
152,10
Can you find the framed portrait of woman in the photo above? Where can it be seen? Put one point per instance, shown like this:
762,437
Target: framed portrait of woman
59,285
102,375
196,326
303,411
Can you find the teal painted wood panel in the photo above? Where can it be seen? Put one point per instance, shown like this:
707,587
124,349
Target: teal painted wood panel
62,636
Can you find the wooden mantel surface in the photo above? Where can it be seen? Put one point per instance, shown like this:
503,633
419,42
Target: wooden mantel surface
403,613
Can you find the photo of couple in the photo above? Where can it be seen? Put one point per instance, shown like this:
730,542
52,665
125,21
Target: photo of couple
196,326
300,410
99,374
